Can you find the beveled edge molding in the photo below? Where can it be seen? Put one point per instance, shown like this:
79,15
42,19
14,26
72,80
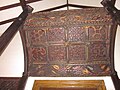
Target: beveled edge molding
98,84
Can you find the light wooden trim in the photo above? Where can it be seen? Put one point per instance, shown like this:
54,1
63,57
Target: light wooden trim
98,84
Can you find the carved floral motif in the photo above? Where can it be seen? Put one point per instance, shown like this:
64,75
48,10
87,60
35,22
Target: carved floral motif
37,37
38,54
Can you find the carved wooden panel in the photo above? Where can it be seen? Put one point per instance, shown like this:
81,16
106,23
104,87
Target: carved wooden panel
69,43
9,83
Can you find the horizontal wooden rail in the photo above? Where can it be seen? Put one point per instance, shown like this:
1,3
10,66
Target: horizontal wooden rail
23,4
12,6
50,9
7,36
17,4
67,5
7,21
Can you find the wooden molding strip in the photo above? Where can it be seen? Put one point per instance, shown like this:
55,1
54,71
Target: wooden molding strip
67,5
17,4
69,85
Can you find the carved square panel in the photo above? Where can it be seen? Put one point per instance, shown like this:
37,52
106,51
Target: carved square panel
98,32
76,53
38,54
36,37
56,34
98,51
57,53
77,34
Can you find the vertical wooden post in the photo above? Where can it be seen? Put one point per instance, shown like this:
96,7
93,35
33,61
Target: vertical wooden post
116,81
23,4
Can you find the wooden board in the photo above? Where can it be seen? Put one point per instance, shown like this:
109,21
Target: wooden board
69,85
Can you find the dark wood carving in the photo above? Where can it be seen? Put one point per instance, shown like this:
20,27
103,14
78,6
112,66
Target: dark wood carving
69,43
9,83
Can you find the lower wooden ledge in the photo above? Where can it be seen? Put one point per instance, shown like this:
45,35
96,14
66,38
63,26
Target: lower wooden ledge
9,83
69,85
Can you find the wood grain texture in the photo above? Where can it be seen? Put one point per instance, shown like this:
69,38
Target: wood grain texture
69,85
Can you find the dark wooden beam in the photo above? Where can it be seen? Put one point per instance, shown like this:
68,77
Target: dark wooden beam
17,4
54,8
111,1
116,81
23,4
22,83
80,6
67,5
7,36
112,10
7,21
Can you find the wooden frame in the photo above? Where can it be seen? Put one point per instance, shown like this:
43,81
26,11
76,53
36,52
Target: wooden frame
81,84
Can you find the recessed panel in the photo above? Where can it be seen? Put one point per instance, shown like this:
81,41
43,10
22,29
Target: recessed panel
69,85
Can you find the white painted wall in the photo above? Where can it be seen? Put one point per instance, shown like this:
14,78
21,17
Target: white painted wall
12,60
117,45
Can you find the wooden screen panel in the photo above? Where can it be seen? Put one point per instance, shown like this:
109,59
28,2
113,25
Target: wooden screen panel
9,83
69,43
69,85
